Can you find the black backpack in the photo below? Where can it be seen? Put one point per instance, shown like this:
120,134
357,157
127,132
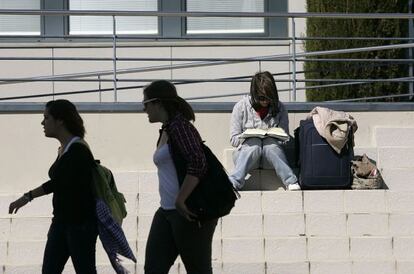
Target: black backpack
214,196
320,166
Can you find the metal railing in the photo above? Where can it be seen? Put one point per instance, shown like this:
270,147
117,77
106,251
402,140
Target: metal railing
293,57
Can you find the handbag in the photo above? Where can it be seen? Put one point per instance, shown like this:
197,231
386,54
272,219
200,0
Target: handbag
365,174
214,196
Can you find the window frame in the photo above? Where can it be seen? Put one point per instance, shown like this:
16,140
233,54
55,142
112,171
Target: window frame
168,27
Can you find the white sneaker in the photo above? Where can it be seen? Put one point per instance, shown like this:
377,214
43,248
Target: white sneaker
293,187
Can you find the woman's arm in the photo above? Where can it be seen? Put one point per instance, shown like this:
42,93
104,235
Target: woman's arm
187,141
236,125
284,118
27,197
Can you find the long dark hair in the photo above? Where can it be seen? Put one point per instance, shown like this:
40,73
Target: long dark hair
166,94
65,111
265,83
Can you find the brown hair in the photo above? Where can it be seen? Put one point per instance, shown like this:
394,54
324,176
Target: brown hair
265,83
66,111
166,93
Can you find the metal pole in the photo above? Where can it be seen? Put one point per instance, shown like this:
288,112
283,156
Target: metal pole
114,58
293,94
410,50
100,91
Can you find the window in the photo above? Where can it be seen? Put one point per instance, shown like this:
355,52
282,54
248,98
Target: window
51,27
103,24
20,24
211,25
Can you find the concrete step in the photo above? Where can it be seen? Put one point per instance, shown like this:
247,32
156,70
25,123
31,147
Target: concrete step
298,254
306,267
394,136
252,202
333,231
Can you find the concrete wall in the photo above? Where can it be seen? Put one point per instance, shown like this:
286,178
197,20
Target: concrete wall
125,142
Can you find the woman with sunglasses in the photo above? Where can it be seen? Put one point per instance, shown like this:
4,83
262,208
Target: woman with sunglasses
175,230
261,109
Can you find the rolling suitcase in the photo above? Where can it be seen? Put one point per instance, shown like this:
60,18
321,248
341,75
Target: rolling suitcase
320,166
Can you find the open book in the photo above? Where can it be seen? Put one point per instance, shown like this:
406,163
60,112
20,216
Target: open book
275,132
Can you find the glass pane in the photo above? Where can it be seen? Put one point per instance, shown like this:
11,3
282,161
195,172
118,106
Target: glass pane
20,24
214,25
103,24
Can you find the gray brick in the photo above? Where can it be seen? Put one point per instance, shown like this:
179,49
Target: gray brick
242,225
333,224
373,267
4,229
243,268
401,224
400,202
26,252
243,250
394,137
396,157
127,182
130,227
285,249
287,267
23,269
249,203
365,201
3,253
30,228
148,203
282,202
368,224
399,179
5,201
404,248
319,201
331,267
328,248
144,225
287,224
371,248
148,182
405,267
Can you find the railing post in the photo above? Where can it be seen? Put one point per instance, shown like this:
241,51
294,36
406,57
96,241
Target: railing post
99,86
410,50
114,58
293,93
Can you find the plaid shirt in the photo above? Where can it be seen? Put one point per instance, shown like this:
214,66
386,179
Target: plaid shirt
112,237
186,138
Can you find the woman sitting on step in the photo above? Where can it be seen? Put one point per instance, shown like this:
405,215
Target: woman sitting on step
260,110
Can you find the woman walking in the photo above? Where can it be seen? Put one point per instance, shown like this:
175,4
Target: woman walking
175,230
73,231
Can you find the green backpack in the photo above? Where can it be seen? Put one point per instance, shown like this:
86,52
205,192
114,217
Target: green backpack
104,188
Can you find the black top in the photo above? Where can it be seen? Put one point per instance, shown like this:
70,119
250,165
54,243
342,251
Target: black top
70,182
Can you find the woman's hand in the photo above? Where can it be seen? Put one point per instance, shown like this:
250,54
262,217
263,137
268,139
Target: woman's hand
184,211
16,205
189,183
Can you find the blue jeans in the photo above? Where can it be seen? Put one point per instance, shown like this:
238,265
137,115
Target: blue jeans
264,153
70,240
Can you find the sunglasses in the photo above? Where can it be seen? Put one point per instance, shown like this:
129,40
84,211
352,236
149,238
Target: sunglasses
145,102
263,98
